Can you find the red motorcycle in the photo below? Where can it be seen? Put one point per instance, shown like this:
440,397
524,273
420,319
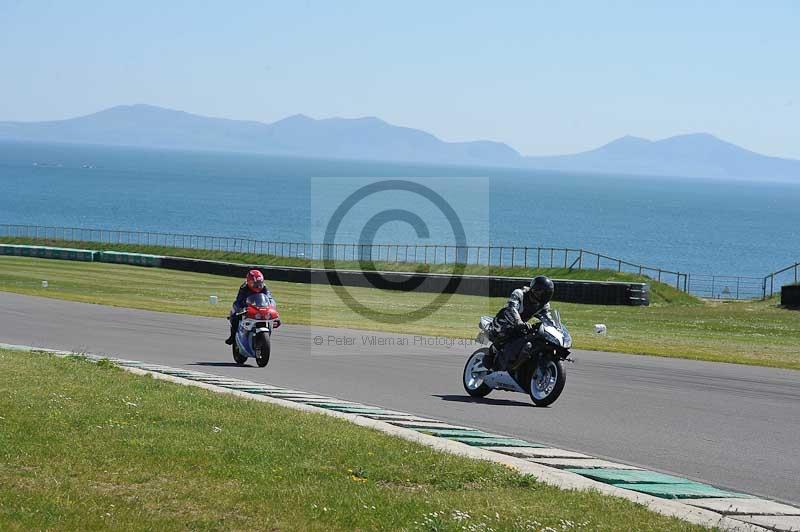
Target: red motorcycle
253,337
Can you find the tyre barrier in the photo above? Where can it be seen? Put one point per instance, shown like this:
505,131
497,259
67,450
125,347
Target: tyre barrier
568,291
134,259
790,296
46,252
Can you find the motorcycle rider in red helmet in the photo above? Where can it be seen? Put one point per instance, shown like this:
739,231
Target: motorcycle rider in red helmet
253,284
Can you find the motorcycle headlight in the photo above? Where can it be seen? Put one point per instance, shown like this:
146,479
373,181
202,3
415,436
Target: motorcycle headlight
556,336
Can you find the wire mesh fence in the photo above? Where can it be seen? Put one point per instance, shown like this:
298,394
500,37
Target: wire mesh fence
707,286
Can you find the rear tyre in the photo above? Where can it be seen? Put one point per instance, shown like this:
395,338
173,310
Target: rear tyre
262,347
547,381
474,371
238,357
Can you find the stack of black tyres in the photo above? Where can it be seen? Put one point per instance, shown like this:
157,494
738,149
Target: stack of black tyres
790,296
587,292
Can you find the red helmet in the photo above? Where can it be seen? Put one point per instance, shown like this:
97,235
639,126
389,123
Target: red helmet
255,280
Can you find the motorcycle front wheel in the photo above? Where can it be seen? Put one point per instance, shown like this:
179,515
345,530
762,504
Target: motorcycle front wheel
474,372
547,382
262,348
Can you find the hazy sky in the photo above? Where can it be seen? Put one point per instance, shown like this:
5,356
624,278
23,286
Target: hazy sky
545,77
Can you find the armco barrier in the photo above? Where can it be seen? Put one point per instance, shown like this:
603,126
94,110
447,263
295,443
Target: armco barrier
588,292
45,252
571,291
135,259
790,296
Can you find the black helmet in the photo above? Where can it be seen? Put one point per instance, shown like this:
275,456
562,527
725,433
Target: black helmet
541,289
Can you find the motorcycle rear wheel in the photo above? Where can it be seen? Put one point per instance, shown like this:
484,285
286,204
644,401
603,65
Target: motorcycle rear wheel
473,384
238,357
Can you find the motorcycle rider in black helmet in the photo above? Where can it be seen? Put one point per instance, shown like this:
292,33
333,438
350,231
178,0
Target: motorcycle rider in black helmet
510,325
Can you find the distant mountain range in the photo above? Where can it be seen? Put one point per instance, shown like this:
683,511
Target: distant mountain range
696,155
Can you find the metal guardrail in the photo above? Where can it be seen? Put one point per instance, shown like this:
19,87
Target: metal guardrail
707,286
785,276
726,287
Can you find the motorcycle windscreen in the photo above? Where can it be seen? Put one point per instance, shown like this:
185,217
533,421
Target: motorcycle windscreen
553,319
259,300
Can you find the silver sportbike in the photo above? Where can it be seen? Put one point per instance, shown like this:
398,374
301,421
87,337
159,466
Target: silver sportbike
537,368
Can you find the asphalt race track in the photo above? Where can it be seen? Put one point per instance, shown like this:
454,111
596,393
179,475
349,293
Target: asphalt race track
737,427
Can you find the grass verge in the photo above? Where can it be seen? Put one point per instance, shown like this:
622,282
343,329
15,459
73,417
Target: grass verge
659,292
86,446
756,333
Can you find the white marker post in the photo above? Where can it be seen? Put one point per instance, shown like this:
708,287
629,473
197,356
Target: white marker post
213,300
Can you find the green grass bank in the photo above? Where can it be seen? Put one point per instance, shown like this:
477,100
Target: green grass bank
88,446
659,292
756,333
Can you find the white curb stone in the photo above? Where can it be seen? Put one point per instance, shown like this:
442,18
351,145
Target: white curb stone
779,523
400,417
428,425
591,463
309,396
745,506
538,452
245,386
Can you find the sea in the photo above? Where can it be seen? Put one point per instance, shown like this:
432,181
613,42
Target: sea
747,228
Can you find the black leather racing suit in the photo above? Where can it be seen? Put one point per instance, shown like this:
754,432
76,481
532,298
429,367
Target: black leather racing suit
510,322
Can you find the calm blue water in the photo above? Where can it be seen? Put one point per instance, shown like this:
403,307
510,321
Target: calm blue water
698,226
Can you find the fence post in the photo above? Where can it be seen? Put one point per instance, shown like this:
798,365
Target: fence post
619,268
580,260
526,257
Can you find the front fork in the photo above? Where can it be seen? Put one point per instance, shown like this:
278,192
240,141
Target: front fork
530,360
